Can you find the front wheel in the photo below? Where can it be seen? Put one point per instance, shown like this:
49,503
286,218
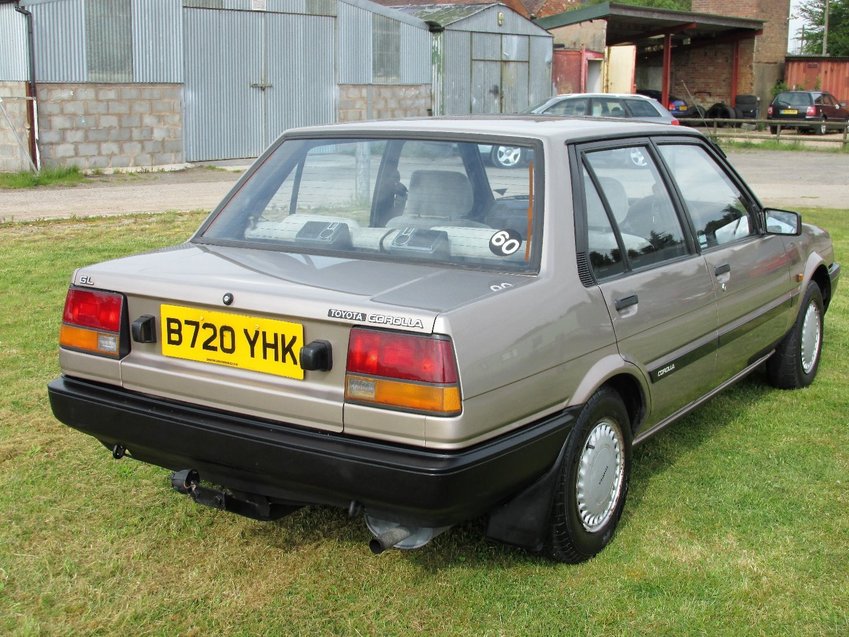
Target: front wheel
593,481
797,358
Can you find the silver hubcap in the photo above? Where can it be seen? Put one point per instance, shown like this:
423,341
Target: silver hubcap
637,157
508,156
600,472
810,337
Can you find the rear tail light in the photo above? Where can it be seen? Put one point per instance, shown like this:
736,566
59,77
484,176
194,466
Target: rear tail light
92,322
811,111
675,122
402,371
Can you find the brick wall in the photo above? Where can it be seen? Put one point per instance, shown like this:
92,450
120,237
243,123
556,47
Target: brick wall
380,101
705,72
97,126
771,46
13,158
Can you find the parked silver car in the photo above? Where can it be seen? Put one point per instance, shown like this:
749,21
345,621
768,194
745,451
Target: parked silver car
617,105
375,319
620,105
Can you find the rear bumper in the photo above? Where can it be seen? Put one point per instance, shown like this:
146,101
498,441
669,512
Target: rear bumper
296,465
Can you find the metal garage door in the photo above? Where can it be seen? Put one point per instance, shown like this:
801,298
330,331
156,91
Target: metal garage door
250,75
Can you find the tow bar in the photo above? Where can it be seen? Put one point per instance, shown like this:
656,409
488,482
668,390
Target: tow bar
250,505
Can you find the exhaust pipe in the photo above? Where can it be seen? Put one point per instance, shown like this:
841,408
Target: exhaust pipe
388,534
388,539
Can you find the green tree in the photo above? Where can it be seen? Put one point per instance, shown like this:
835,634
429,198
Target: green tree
812,13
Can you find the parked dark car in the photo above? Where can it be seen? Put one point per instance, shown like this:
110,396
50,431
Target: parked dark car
375,319
815,108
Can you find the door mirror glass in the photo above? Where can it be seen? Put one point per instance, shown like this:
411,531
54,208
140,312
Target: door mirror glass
783,222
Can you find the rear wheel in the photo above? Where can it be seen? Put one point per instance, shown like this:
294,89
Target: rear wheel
593,481
797,358
822,128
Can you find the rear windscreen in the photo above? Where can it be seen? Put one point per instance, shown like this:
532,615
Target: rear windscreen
454,202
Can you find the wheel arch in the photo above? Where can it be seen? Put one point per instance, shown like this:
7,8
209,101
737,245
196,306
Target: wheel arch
625,379
632,394
823,280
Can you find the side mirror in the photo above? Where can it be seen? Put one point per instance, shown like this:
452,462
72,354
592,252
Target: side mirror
783,222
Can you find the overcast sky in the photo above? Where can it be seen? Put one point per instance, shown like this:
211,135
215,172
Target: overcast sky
795,25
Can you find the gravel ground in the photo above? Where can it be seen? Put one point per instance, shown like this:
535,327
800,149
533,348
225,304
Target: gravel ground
785,179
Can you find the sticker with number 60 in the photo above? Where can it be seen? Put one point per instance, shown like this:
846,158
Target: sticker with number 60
505,242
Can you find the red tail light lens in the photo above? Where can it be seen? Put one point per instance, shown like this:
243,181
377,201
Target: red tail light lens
769,110
92,322
405,371
91,308
401,356
811,111
675,122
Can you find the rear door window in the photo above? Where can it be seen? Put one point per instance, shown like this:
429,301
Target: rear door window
637,200
641,108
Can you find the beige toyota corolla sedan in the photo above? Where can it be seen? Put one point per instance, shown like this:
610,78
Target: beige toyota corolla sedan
376,319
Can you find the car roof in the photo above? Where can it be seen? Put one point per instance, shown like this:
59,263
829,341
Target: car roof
543,127
618,95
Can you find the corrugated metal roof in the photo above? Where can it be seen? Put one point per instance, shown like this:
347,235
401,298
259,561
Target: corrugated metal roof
444,14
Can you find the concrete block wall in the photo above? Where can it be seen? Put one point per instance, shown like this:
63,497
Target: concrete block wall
102,126
382,101
13,158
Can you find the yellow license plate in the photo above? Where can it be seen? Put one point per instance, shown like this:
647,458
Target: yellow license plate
789,111
258,344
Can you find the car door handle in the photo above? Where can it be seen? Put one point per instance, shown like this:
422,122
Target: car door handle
719,270
628,301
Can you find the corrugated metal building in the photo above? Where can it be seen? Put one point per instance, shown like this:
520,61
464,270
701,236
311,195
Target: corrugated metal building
817,73
487,58
125,83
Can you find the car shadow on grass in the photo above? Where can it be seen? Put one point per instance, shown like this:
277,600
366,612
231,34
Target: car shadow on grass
466,544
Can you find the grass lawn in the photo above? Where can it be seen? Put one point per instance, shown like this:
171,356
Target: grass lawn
737,521
47,177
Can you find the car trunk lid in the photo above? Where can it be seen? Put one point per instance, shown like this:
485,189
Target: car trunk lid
229,323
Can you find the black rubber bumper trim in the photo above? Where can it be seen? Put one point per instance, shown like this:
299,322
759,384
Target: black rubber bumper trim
834,275
425,487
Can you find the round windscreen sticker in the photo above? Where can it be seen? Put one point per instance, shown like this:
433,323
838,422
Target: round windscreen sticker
505,242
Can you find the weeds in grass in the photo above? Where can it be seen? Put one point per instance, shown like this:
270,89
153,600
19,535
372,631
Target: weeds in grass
66,176
789,145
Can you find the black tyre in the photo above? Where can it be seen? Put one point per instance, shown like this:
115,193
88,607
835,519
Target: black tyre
773,129
797,357
593,482
822,127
